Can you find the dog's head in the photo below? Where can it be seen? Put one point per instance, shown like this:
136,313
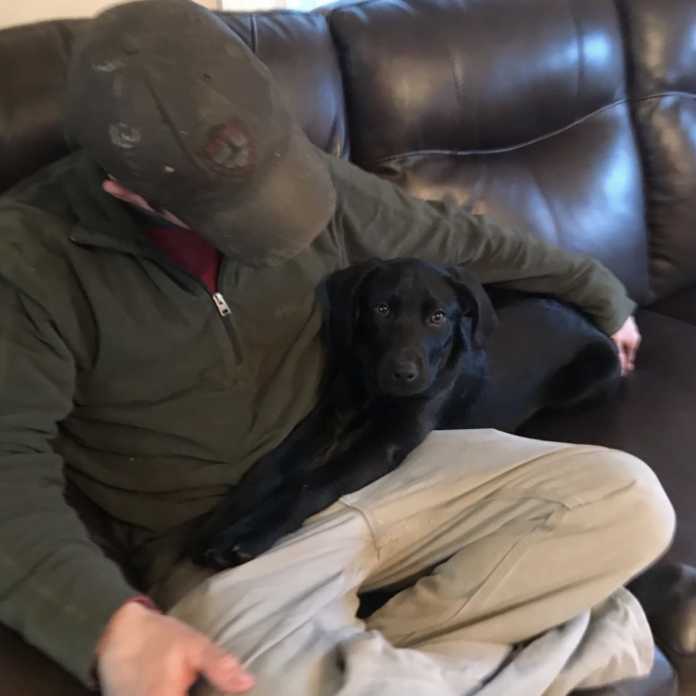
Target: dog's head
402,320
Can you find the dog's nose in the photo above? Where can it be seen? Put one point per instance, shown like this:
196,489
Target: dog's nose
405,372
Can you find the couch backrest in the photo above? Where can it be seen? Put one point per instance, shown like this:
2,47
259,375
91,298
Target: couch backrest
515,107
33,63
572,118
662,45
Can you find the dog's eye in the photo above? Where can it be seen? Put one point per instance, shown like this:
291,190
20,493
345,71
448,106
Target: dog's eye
382,309
437,317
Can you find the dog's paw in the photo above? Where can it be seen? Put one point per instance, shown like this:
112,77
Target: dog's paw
251,545
220,559
219,552
256,540
251,536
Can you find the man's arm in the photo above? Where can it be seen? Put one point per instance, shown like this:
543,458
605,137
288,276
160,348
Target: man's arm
57,588
377,218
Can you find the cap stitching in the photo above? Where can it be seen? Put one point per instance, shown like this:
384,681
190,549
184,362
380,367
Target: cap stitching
165,116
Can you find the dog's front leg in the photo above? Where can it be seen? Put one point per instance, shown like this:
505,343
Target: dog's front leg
388,439
266,477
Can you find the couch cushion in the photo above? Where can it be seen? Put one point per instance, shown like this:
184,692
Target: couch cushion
654,418
515,108
299,52
27,672
663,55
680,305
33,66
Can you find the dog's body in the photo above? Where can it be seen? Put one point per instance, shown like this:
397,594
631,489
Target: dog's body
412,347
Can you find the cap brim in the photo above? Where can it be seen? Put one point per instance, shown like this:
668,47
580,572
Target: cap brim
283,213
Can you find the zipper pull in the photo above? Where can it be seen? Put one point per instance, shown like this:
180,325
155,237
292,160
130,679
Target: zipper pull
221,304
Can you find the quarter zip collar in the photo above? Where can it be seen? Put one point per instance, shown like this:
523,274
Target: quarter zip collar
104,222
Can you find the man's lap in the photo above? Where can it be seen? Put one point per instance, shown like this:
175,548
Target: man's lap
460,473
475,502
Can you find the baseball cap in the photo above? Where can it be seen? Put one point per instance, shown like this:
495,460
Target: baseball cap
170,102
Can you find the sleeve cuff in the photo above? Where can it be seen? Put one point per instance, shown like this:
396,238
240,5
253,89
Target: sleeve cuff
612,323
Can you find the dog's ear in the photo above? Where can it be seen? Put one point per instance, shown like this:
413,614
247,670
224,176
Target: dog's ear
475,303
341,309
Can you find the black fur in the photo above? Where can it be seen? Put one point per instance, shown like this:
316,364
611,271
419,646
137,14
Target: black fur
412,347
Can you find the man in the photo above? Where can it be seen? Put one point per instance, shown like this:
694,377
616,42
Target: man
159,333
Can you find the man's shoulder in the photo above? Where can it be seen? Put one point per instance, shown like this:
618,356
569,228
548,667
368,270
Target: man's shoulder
359,193
370,198
39,206
36,223
346,174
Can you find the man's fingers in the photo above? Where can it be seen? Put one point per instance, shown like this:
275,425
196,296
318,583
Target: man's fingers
627,353
628,350
632,350
622,357
223,671
627,340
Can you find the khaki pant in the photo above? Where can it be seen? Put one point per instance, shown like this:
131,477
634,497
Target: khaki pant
512,552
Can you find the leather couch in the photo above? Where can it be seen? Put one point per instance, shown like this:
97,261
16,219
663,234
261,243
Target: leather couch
573,118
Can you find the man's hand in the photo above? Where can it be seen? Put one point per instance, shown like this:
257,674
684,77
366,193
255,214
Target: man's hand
144,653
627,339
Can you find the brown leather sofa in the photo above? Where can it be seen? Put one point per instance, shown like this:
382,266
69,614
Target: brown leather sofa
574,118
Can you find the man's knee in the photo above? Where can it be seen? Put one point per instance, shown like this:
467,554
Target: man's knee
639,505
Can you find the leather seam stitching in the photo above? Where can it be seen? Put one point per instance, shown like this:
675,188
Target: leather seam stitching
532,141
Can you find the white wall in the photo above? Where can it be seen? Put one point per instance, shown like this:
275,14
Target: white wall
23,11
252,5
255,5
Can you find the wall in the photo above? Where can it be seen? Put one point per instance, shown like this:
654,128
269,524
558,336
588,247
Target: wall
23,11
252,5
255,5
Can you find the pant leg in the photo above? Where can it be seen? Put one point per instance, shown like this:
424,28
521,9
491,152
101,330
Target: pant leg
522,562
290,617
537,534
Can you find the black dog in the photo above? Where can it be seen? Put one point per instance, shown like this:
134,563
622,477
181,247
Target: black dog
412,347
